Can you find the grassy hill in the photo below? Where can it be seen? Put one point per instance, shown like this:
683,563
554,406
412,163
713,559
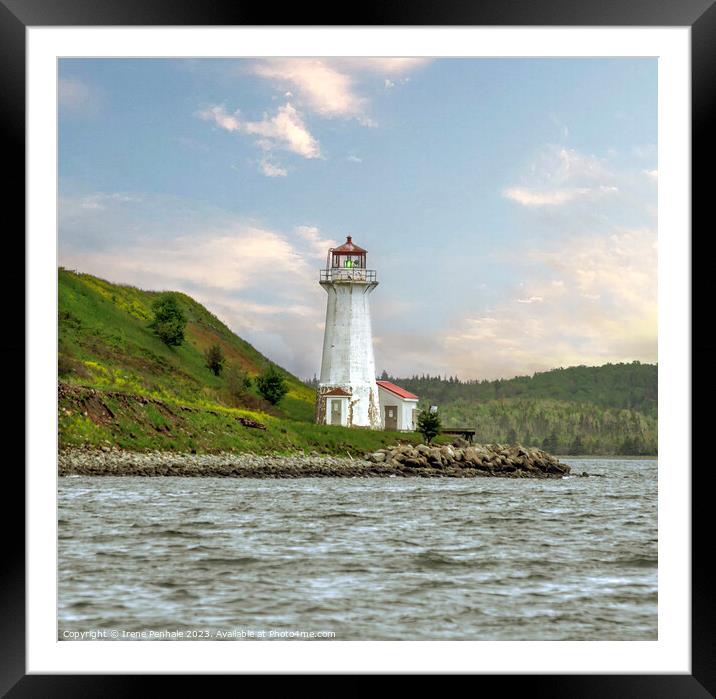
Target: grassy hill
120,385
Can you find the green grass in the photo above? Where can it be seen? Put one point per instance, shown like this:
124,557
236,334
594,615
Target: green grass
104,337
151,396
138,426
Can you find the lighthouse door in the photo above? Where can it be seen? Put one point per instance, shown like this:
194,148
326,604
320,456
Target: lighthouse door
336,412
391,417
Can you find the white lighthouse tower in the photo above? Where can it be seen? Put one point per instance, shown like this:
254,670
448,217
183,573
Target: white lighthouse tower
347,390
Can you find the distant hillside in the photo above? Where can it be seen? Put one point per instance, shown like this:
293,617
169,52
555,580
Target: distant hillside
599,410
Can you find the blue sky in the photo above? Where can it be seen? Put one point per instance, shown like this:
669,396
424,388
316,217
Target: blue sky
509,205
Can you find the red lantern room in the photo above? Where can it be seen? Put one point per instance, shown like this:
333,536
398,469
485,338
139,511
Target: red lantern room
348,255
347,264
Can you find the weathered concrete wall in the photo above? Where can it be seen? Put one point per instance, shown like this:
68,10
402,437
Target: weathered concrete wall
348,360
405,408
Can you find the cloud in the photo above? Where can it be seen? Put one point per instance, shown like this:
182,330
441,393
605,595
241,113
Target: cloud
329,86
588,264
102,200
555,197
319,85
262,283
285,130
318,245
652,174
602,308
77,97
560,176
271,170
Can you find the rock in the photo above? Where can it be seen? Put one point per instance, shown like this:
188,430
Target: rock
460,443
435,455
402,460
414,463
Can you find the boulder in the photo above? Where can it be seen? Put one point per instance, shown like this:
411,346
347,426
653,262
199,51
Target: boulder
415,463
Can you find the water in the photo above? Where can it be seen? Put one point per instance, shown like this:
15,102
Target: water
364,559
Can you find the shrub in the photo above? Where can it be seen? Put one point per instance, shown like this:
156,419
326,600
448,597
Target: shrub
271,385
214,359
169,320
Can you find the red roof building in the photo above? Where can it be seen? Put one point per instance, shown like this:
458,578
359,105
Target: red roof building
398,407
397,390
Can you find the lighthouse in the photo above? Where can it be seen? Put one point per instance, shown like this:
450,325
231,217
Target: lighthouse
347,389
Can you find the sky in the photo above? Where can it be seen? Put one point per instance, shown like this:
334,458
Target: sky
509,206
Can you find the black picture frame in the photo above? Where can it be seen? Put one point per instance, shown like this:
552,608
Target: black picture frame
700,15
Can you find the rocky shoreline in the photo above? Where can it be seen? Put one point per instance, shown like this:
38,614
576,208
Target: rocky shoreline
458,461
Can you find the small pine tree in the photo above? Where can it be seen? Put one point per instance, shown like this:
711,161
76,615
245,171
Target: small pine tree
271,385
214,359
428,425
169,320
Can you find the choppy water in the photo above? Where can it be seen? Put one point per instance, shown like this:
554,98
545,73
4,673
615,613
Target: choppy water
365,559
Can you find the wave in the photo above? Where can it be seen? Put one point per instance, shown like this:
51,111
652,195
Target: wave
434,559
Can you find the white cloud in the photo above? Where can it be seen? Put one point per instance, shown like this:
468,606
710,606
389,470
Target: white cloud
652,174
262,283
602,308
272,170
555,197
589,290
319,85
318,245
329,86
77,97
354,159
285,130
560,176
388,64
530,197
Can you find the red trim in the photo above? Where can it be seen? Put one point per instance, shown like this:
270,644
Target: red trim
349,247
337,392
396,389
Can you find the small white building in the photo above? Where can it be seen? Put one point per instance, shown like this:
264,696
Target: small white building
398,407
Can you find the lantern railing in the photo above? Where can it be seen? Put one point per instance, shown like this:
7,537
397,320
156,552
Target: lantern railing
348,274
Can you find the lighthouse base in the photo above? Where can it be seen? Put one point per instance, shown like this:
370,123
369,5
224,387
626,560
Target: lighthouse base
348,406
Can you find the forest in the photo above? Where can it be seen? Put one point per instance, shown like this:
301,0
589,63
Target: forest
609,409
